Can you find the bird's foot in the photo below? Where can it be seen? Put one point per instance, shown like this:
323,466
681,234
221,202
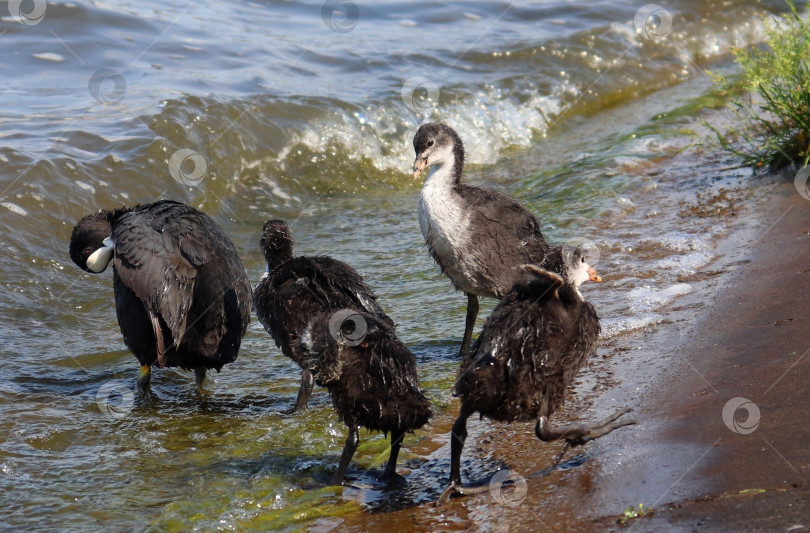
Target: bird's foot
294,410
599,429
392,478
457,489
453,489
579,434
559,457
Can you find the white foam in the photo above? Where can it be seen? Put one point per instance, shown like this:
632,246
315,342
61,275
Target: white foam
682,242
14,208
612,327
646,298
488,122
50,56
85,186
686,263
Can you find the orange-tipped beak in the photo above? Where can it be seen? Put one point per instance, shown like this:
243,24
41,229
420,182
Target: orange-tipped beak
593,276
418,166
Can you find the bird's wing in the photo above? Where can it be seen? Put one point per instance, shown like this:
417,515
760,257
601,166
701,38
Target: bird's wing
338,282
159,261
493,207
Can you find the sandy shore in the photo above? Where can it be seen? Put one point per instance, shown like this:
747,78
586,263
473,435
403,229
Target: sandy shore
747,472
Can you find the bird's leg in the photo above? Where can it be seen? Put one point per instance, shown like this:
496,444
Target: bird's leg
390,472
472,314
578,434
304,392
144,376
457,437
199,376
352,440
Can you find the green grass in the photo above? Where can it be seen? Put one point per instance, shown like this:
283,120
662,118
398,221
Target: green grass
775,122
631,513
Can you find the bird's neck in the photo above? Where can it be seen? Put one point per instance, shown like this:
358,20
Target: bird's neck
446,172
112,215
277,257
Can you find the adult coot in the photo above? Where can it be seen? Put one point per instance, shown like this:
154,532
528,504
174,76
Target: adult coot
535,341
370,375
479,237
181,293
294,289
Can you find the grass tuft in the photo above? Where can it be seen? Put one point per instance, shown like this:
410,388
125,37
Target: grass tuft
775,123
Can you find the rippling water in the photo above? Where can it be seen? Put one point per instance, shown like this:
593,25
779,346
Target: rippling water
305,111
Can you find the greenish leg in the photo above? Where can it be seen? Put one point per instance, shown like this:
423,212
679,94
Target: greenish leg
144,376
199,375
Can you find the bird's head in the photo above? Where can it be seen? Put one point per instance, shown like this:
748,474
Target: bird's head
91,246
436,144
276,243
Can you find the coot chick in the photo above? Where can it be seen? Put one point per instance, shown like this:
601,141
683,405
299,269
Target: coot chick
479,237
296,288
182,295
535,341
371,377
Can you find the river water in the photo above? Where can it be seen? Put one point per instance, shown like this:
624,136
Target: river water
590,113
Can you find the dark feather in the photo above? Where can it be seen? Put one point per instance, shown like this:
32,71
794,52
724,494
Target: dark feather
372,381
507,235
296,289
535,341
175,262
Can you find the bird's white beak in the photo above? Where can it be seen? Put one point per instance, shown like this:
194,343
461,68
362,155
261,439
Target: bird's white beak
98,260
418,166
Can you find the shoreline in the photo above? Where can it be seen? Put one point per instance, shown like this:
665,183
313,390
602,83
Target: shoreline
745,470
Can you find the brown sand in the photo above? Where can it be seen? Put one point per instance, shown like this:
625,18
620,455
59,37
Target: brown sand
753,344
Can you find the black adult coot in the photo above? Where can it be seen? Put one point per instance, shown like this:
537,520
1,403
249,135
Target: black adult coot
371,377
535,341
479,237
296,288
181,292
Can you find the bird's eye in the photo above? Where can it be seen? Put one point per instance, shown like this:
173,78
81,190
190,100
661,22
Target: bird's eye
430,142
583,259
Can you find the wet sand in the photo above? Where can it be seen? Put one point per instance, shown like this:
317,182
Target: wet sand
751,341
752,344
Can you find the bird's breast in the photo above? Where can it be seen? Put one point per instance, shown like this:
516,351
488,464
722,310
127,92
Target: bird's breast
442,220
